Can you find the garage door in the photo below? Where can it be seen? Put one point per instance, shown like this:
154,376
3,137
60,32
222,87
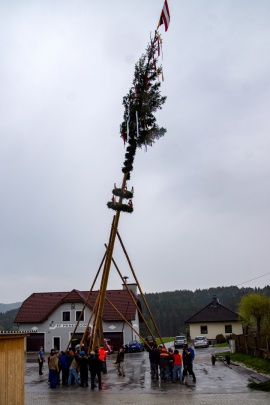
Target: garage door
116,339
34,341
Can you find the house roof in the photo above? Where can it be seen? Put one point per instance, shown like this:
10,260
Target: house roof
214,312
38,307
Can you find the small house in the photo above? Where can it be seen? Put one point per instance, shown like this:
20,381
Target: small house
213,320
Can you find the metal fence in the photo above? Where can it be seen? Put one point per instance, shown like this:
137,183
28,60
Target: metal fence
252,344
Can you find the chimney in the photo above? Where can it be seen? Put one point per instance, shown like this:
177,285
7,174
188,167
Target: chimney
132,287
215,301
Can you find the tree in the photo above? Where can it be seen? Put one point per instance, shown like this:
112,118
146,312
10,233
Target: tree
255,310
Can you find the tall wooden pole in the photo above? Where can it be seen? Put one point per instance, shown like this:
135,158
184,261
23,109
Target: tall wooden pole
132,296
85,303
138,284
98,332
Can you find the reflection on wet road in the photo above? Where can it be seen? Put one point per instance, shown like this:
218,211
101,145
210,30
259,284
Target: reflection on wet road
210,379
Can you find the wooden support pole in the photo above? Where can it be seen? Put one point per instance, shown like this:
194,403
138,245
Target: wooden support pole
138,284
131,296
103,287
96,323
85,302
88,323
127,322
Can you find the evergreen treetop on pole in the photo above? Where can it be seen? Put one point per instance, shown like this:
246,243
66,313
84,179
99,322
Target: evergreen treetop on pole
139,127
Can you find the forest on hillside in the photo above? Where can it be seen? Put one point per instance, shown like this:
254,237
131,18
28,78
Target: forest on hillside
8,307
7,320
171,309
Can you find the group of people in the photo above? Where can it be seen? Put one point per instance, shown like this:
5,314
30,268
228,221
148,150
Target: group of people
74,367
170,365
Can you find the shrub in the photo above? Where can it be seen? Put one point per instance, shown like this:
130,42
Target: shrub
220,338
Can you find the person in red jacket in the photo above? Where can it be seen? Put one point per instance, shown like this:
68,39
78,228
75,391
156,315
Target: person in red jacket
177,366
102,356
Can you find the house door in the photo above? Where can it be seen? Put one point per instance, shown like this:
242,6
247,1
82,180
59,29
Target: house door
56,343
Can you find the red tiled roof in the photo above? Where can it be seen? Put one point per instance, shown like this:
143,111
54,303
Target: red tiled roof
38,307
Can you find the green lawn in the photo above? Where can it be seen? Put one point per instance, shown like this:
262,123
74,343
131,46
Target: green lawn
165,340
221,345
263,386
256,363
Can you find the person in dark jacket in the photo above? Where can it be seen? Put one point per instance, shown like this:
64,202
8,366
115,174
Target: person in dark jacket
96,368
83,369
171,362
64,367
120,362
188,365
154,357
164,365
41,359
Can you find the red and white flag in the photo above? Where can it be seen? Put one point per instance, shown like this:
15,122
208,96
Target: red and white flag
164,16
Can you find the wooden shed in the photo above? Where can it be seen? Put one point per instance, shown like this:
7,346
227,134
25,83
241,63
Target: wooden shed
12,368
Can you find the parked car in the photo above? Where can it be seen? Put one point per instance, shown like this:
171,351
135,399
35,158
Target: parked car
201,341
150,340
180,341
135,346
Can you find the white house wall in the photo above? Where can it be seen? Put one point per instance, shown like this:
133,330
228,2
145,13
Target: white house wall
214,329
54,326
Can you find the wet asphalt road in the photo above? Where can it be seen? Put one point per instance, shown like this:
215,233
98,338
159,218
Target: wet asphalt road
219,379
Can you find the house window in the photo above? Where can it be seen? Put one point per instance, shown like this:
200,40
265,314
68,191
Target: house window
66,316
204,330
78,315
228,328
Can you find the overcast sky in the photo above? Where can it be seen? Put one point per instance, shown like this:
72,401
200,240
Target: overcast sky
202,193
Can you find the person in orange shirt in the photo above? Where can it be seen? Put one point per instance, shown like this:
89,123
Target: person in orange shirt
102,356
177,366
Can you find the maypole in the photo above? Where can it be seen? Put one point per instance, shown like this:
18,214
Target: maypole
138,130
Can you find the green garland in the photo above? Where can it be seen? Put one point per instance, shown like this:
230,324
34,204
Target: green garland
126,194
120,207
127,169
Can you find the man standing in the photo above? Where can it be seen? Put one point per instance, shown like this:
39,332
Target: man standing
102,355
164,365
73,370
188,365
95,367
54,369
177,366
83,369
192,352
154,357
40,359
120,362
63,361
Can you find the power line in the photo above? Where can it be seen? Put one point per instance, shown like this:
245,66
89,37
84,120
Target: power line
254,279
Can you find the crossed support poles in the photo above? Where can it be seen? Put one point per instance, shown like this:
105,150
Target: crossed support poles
97,338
